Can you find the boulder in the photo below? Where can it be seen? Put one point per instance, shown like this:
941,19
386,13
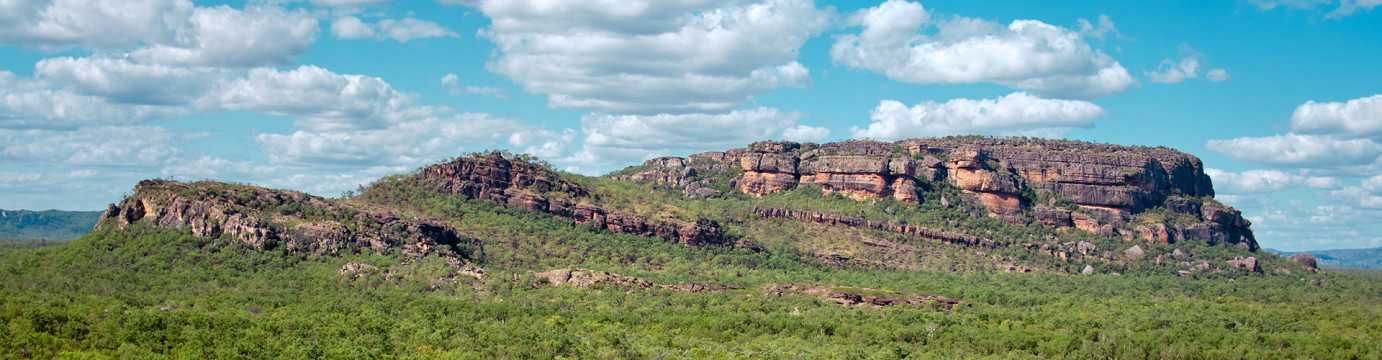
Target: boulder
1305,259
1134,253
1249,263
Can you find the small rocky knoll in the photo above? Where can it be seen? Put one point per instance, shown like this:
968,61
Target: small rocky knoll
1154,194
267,218
528,186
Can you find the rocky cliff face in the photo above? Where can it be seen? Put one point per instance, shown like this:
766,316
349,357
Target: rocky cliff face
1153,194
267,218
528,186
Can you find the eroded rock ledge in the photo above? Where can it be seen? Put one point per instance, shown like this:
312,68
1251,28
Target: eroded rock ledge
832,219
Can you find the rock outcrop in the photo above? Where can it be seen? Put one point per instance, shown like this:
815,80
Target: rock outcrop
529,186
1154,194
266,218
1305,259
1249,263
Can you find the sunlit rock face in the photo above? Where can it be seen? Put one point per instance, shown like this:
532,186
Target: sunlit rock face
1152,194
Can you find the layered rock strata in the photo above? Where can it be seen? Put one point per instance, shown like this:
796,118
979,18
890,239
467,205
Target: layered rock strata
1099,188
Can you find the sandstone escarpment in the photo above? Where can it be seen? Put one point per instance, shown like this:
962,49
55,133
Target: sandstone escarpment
267,218
1154,194
528,186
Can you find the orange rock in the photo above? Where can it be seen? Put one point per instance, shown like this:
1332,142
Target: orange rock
1001,203
762,183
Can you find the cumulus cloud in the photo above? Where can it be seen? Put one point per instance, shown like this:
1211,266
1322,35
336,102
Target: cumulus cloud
404,30
1018,113
109,146
1263,181
1171,72
320,100
121,81
32,104
454,87
1188,67
351,27
104,25
543,143
227,37
1355,118
1217,75
648,57
904,42
1357,196
410,142
804,133
1098,30
621,140
1299,151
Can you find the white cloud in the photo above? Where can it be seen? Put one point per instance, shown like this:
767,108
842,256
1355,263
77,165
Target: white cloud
102,25
1357,196
1348,7
1262,181
1099,30
404,30
1013,114
1217,75
109,146
1373,184
622,140
32,104
351,27
320,100
1026,54
227,37
542,143
804,133
1189,66
648,57
410,142
121,81
454,87
1299,151
1353,119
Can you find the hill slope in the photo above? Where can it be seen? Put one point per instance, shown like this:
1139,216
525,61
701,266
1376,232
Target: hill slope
49,224
498,256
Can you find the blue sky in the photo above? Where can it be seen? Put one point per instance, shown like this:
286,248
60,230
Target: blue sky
1279,98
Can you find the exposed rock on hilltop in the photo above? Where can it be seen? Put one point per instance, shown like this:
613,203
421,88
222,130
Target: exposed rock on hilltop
526,185
267,218
1156,194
